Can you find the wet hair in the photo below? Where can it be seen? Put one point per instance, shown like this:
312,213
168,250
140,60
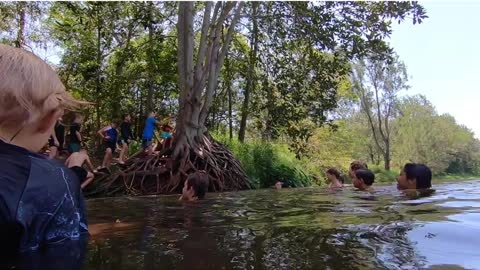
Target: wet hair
335,173
199,182
358,165
421,173
366,175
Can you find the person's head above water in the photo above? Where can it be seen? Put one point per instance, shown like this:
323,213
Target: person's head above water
333,174
278,185
32,98
355,166
195,187
414,176
363,179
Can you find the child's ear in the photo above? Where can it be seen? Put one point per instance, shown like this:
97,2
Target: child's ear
48,120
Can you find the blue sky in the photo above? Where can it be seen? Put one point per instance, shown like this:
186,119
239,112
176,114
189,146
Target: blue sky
442,56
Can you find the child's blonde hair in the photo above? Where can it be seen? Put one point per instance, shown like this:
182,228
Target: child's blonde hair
29,88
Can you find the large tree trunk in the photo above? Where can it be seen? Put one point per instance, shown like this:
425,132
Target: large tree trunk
228,85
387,156
193,148
250,76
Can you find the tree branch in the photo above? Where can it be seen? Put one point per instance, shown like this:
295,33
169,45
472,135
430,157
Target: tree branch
215,71
203,41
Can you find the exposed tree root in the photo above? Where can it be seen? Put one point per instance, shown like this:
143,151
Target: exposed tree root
160,173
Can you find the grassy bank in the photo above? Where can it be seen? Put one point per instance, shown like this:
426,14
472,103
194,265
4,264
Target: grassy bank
265,163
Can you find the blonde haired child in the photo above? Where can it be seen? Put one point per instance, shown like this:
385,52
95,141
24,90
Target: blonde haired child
40,200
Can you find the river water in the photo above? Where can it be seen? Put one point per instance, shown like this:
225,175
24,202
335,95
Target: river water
310,228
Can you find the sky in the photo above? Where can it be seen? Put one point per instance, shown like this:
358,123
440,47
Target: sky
442,56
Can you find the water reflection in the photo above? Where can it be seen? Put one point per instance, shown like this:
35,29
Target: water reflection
290,229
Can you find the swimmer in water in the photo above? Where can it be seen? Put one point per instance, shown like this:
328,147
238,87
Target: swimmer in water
364,180
195,187
334,179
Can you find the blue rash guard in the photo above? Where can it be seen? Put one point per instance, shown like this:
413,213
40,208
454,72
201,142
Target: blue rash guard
41,209
149,130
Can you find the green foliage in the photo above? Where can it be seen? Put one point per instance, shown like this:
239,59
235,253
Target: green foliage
303,116
266,163
419,135
134,147
377,84
437,140
29,32
116,54
384,176
302,68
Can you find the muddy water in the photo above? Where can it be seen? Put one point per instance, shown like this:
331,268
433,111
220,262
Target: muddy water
310,228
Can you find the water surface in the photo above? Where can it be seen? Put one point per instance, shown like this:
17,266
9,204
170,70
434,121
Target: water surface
310,228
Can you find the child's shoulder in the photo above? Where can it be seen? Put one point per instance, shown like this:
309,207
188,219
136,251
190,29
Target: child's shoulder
50,173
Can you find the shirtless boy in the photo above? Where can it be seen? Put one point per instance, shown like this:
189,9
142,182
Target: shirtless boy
75,163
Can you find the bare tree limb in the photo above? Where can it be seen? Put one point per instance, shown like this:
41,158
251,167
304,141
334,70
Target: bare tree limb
215,71
203,41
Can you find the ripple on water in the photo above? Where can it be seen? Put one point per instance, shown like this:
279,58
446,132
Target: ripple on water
308,228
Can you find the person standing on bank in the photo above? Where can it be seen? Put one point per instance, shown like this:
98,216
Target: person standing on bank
57,139
109,135
125,137
149,132
75,136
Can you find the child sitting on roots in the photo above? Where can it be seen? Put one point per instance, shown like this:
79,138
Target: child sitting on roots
166,132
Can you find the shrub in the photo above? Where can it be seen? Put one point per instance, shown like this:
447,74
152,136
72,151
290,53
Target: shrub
384,176
265,163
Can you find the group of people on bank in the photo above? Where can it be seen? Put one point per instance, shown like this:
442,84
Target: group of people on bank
112,137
